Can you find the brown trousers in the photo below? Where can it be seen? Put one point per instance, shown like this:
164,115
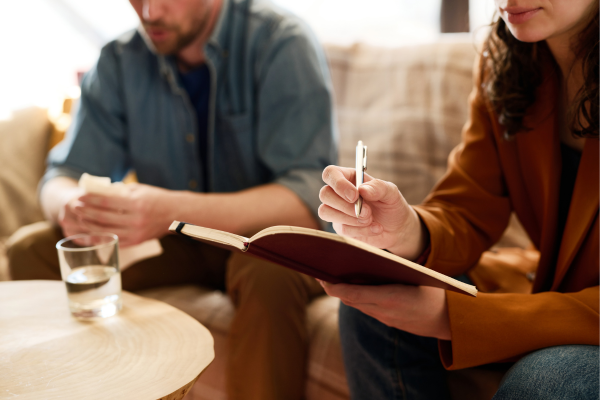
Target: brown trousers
268,341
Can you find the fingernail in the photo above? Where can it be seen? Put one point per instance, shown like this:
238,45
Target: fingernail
363,221
376,228
350,195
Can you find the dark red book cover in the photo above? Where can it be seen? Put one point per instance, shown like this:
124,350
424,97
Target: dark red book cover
338,262
326,256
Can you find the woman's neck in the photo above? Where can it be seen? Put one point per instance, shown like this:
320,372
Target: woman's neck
571,81
570,66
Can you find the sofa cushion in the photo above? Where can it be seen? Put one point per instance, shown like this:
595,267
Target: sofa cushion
3,260
23,147
326,374
212,308
407,104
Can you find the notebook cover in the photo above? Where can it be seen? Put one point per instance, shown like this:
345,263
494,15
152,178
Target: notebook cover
337,262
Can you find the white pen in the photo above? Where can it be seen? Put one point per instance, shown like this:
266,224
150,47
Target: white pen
361,167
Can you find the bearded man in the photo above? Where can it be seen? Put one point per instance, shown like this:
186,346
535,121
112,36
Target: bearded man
223,108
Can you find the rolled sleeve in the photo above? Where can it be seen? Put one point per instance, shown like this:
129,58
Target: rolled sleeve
64,171
296,130
96,140
306,184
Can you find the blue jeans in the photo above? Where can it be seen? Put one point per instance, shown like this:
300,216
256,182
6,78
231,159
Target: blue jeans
386,363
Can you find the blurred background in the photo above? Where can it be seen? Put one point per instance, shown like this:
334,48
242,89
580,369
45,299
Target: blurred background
46,43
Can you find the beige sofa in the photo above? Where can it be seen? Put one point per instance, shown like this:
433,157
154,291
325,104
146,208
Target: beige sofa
407,104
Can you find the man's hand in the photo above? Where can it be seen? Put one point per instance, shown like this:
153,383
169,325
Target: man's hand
68,220
143,212
421,310
386,220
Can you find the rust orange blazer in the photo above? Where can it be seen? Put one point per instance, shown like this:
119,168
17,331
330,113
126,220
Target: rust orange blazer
488,178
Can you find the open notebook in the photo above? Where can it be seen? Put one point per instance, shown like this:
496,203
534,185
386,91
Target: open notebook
326,256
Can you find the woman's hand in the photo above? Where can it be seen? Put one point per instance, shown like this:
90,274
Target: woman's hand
386,220
421,310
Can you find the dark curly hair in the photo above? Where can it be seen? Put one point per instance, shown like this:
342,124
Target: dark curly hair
511,71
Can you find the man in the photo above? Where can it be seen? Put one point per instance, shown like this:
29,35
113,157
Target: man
223,109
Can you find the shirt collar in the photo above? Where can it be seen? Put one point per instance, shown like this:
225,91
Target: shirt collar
218,36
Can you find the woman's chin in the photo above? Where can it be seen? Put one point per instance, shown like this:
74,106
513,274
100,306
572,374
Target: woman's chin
528,35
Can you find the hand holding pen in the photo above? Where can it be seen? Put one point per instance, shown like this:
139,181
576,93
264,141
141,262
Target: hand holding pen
361,167
370,210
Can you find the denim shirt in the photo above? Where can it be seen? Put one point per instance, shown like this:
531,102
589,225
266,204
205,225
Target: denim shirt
270,111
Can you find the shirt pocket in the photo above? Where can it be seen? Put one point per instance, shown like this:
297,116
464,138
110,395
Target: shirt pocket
236,165
233,123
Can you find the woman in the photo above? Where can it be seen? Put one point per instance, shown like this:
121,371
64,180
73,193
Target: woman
530,146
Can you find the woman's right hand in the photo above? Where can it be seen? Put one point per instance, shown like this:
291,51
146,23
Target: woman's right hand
386,221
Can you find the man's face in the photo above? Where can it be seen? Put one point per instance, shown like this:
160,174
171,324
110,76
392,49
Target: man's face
172,25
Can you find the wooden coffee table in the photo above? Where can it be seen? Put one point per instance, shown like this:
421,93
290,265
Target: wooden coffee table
149,350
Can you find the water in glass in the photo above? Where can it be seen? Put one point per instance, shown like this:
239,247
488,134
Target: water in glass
94,291
89,265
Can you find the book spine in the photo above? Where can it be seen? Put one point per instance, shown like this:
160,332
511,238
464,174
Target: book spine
180,227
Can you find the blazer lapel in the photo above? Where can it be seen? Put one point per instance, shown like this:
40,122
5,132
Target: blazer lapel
540,160
582,211
541,157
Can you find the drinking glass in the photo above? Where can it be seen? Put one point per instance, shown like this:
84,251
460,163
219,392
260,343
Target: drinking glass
89,266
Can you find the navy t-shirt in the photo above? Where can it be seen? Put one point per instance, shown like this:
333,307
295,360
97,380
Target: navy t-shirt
197,85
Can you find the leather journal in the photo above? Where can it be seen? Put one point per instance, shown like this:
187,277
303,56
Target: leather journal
326,256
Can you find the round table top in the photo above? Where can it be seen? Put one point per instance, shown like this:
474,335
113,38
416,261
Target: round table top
149,350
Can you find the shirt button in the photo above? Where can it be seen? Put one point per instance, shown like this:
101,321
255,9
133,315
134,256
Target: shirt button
192,184
189,138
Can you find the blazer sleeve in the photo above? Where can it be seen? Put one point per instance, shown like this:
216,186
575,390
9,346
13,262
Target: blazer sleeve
469,208
504,327
465,214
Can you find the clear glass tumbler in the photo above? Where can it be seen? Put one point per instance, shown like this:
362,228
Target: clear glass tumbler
89,265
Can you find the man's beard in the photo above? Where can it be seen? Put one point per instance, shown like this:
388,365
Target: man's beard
181,39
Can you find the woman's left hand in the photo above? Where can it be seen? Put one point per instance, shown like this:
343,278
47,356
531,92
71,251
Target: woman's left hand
421,310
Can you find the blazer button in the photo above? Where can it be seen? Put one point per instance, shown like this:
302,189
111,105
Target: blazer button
192,184
189,138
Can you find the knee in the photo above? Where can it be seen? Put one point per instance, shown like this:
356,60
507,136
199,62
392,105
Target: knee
267,286
359,327
24,249
360,331
353,322
566,372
